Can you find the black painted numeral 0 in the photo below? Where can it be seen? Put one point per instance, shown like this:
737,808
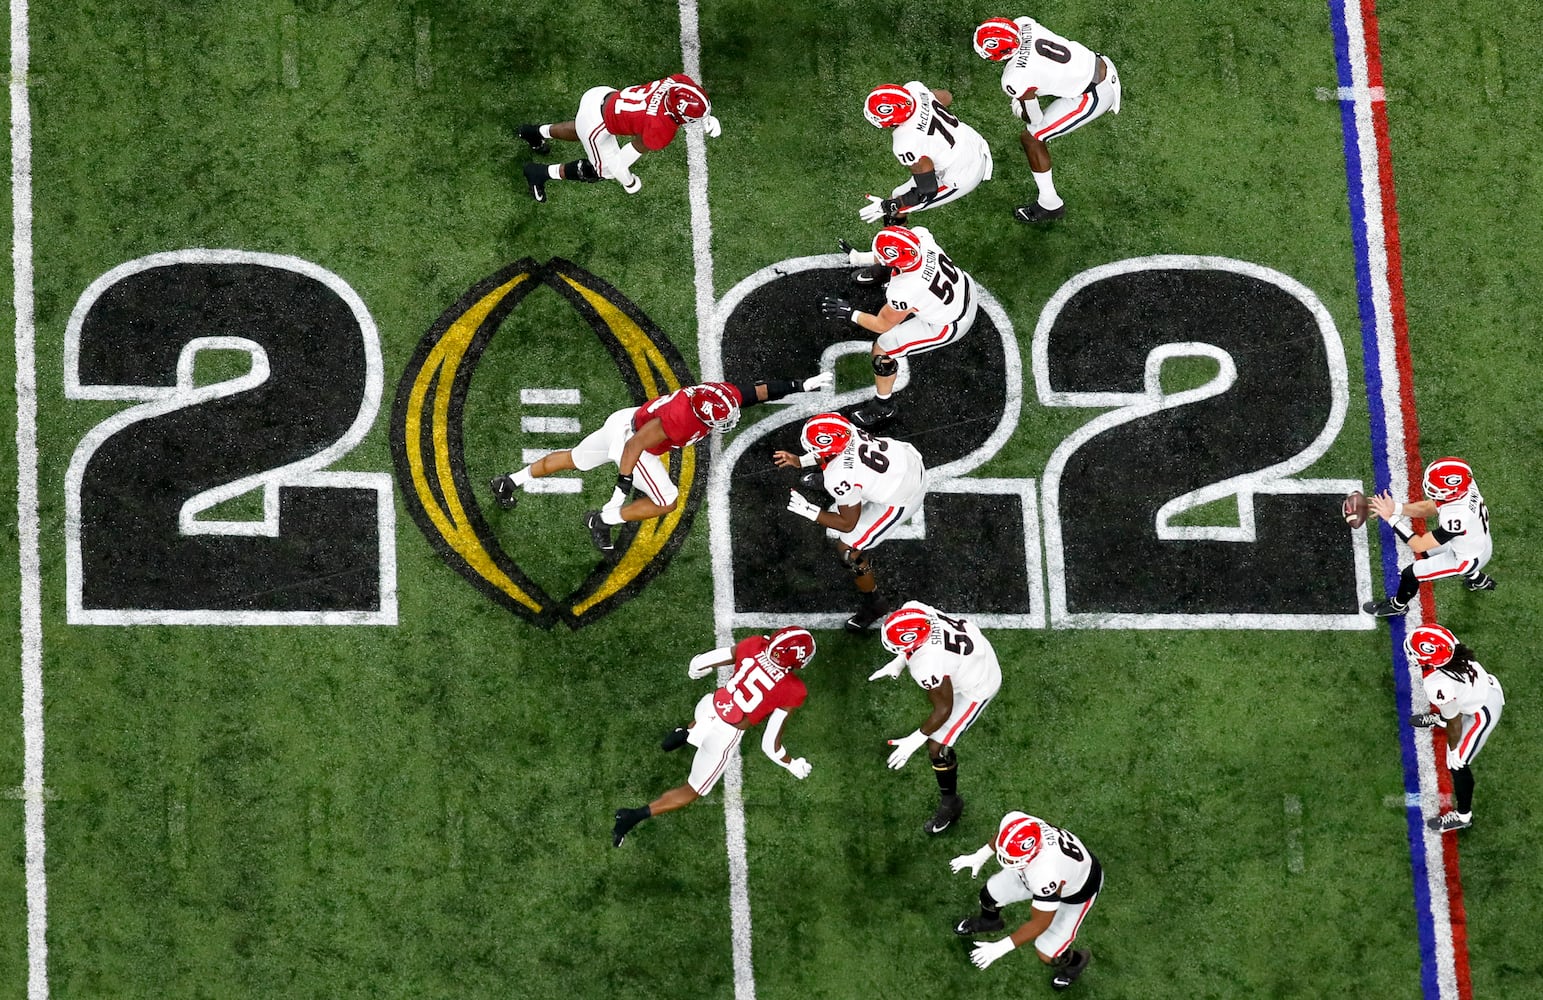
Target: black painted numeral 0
141,543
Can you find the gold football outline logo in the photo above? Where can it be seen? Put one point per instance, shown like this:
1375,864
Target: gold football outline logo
427,443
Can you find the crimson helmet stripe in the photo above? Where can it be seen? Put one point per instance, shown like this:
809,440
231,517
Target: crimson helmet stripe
686,102
790,647
714,405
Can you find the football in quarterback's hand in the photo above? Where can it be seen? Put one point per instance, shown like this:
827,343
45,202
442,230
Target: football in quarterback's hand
1356,509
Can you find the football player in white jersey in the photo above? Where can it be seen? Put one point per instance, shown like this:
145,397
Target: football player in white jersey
876,482
931,303
955,664
1052,868
947,158
1458,545
1041,63
1468,702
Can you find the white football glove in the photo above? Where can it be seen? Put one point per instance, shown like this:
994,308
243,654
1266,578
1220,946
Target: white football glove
890,669
1454,759
711,128
904,747
971,861
800,505
824,380
987,952
873,211
632,185
798,768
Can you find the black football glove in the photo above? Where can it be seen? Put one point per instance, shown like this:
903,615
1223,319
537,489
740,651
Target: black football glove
838,309
846,247
894,212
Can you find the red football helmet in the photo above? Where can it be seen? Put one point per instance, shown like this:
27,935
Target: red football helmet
790,648
888,105
827,435
1018,839
714,405
898,249
906,629
1447,479
997,38
1431,646
686,102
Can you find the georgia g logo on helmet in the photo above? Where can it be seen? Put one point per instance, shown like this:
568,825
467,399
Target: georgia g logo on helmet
1018,840
996,39
1431,646
888,106
1447,479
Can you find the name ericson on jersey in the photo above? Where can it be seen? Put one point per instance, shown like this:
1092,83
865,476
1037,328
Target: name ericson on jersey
1046,63
939,291
958,650
758,687
878,470
934,132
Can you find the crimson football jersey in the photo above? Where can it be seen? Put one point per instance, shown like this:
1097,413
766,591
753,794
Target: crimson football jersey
639,111
682,426
758,687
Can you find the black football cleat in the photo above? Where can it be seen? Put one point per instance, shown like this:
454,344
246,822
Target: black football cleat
876,413
1385,608
970,926
536,177
1424,720
533,137
1481,582
873,274
864,619
948,812
599,533
1037,213
1069,966
626,819
677,739
1449,822
504,491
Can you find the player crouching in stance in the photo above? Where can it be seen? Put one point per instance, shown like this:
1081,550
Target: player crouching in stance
650,114
637,438
763,685
947,158
1045,864
931,303
1458,545
956,666
1468,702
877,483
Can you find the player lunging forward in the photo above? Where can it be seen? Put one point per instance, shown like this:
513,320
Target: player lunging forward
877,483
637,438
648,114
763,687
931,303
1044,864
1468,702
956,666
1459,546
1042,63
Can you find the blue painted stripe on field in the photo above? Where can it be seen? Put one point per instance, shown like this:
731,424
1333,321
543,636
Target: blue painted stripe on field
1378,418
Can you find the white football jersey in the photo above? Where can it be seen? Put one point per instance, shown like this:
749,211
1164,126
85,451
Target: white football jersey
958,650
1464,525
1060,869
1453,697
878,470
940,291
933,131
1047,64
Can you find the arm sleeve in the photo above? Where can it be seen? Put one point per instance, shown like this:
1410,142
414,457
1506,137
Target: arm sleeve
773,734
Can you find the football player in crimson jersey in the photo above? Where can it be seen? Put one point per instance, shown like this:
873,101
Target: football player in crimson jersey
931,303
1040,62
1459,545
637,438
954,663
947,158
1468,702
649,114
1052,868
877,483
762,687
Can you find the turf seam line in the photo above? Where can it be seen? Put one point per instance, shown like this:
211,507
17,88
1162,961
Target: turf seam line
31,608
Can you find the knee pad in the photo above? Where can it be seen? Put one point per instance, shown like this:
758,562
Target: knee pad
582,170
856,562
945,759
884,365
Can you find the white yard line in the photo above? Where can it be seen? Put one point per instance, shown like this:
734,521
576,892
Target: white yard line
27,508
710,367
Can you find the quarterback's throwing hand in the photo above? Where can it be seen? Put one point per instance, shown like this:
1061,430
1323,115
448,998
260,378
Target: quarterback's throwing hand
987,952
904,747
801,506
834,308
971,861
